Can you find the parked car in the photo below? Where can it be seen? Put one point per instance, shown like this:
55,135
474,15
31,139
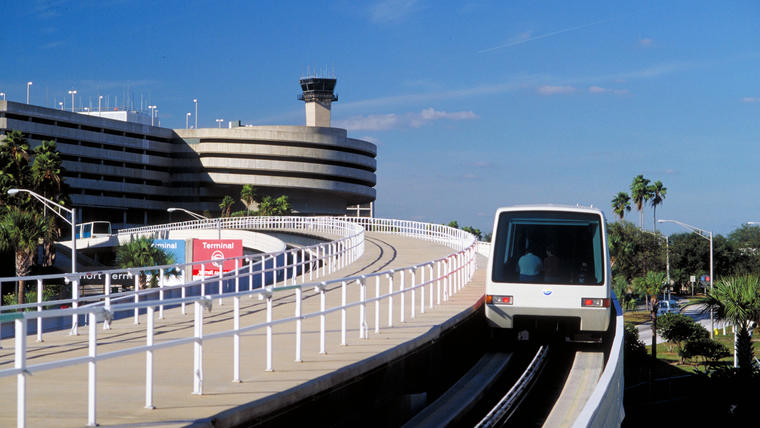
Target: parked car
668,307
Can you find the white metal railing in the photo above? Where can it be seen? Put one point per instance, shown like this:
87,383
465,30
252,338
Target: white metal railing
428,285
348,247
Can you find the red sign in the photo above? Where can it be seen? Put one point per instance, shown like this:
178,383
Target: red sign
215,249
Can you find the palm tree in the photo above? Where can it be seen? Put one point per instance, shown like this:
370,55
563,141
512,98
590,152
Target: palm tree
737,300
640,194
653,283
248,196
658,192
620,204
47,180
20,231
140,252
14,163
274,206
226,205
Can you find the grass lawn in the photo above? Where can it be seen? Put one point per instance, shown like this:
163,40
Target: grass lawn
668,352
637,317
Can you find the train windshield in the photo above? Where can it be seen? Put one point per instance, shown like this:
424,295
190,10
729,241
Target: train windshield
549,247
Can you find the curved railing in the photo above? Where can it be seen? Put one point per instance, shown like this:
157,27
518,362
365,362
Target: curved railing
277,275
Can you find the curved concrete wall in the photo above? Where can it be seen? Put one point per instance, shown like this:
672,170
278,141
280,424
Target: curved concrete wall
320,169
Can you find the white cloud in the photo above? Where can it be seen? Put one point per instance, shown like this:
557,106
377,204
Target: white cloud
384,122
751,99
646,42
528,36
389,11
555,90
600,90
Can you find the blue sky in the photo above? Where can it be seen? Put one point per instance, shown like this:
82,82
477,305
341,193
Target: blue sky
473,104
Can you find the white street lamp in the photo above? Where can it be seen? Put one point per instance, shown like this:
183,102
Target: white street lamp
709,236
187,120
100,98
56,208
28,84
219,122
195,100
152,111
60,104
72,92
2,94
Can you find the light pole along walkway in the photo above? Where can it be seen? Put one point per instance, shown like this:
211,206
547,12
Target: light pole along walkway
59,396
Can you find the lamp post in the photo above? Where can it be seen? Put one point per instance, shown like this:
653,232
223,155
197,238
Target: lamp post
219,122
195,100
56,208
187,120
100,98
2,94
72,92
199,217
152,111
28,84
60,103
709,236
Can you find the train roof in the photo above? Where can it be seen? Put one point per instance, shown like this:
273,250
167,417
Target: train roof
552,207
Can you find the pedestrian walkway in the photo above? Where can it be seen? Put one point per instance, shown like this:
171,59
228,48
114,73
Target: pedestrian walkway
59,396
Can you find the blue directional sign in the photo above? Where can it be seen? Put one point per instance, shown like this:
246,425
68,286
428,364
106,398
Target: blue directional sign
173,247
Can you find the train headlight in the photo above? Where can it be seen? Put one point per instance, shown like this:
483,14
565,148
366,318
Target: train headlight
595,302
499,300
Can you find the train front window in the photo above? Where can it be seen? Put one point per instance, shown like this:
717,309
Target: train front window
549,247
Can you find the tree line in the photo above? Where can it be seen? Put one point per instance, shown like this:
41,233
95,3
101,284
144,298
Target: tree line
22,220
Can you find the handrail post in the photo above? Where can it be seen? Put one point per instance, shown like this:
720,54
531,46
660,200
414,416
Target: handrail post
402,317
363,308
92,352
137,298
149,332
184,285
269,332
236,326
161,293
20,363
343,302
299,322
107,305
414,291
220,282
422,290
390,298
39,310
198,349
377,304
75,304
322,304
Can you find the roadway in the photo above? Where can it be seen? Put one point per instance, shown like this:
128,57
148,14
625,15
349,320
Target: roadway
59,396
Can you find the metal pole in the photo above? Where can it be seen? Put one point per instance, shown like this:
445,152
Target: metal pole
712,321
73,240
28,84
195,100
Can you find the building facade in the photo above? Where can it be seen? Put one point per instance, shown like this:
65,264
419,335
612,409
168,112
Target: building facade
129,172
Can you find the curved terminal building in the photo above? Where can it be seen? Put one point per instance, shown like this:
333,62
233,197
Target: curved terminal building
127,171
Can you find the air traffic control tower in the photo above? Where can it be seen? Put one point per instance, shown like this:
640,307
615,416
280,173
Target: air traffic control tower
318,96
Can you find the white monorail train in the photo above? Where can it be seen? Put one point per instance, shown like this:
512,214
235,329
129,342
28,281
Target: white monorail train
549,268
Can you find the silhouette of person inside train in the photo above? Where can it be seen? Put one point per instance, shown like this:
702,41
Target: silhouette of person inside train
530,266
552,265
